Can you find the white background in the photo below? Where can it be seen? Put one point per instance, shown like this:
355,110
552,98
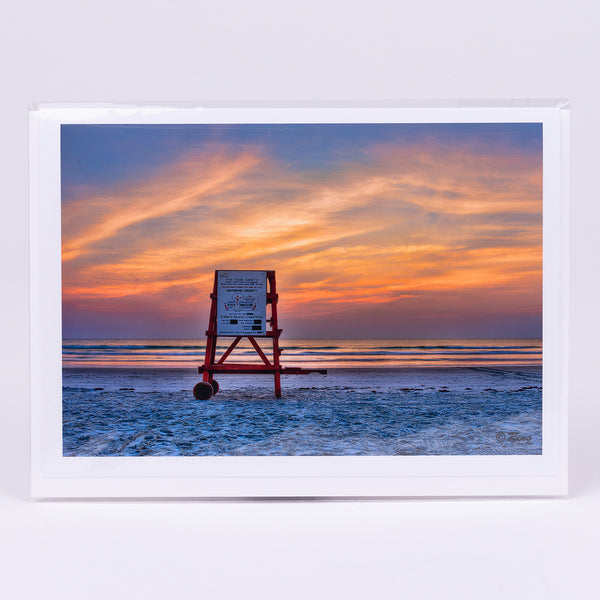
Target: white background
260,50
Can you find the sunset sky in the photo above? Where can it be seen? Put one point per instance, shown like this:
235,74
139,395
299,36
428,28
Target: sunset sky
375,231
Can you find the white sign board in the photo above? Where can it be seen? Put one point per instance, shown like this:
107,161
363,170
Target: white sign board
241,302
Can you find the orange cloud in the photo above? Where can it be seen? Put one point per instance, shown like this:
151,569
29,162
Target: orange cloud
184,187
404,222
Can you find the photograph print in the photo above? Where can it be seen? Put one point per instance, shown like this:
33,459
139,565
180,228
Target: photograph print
392,273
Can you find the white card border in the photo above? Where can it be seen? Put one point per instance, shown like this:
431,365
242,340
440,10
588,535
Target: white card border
55,476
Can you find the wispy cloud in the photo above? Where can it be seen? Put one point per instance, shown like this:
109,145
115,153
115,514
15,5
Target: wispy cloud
405,223
186,186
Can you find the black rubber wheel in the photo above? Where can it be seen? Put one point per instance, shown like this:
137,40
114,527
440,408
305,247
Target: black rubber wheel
215,386
203,390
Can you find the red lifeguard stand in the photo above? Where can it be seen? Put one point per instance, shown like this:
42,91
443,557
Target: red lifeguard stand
239,303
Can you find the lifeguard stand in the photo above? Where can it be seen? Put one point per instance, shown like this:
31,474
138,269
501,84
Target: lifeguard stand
238,309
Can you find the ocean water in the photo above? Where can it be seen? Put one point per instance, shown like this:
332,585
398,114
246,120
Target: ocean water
309,353
379,397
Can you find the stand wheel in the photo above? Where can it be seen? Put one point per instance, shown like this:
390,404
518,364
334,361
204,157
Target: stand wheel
215,386
203,390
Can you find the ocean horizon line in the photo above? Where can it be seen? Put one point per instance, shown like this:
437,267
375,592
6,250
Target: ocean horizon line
310,352
186,339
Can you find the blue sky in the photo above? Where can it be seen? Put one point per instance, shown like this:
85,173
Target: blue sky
105,154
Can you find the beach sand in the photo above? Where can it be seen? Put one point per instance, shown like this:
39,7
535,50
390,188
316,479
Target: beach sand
367,411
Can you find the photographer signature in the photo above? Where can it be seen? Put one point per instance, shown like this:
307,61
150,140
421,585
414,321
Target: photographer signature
513,436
